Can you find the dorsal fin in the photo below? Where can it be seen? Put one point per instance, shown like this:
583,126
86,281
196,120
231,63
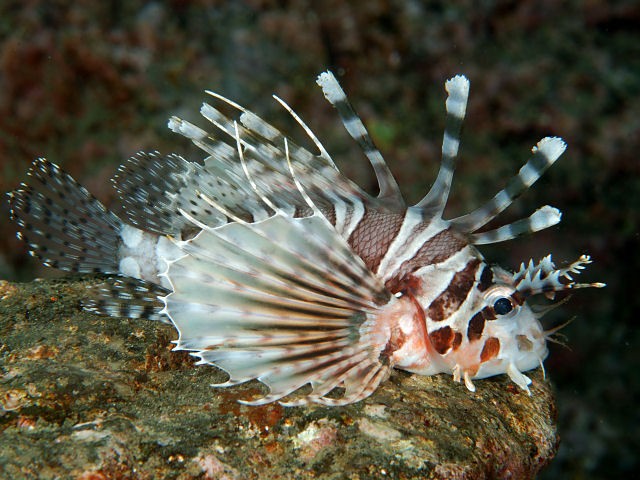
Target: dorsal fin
458,90
389,190
542,218
545,153
262,146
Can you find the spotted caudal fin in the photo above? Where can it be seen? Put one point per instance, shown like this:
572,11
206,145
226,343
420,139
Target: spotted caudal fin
284,301
68,229
63,224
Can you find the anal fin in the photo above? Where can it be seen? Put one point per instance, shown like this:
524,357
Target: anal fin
126,297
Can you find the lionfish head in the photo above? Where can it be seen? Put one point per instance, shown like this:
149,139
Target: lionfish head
500,331
477,315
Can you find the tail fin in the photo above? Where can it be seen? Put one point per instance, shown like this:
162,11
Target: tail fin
63,224
68,229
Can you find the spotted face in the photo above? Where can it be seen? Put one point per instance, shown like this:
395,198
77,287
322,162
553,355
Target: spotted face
501,327
479,325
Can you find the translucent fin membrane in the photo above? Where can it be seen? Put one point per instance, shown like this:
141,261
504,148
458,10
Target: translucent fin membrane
155,188
126,298
389,189
262,149
281,301
456,104
64,225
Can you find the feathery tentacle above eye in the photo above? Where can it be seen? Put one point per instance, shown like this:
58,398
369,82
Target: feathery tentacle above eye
544,277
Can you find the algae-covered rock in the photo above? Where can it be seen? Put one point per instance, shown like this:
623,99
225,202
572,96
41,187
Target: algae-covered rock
93,397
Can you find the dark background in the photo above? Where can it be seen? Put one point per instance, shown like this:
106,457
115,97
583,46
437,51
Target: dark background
89,85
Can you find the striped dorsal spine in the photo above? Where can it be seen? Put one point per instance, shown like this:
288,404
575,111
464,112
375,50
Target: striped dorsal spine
273,266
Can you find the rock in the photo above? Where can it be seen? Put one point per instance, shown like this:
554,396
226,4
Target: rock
93,397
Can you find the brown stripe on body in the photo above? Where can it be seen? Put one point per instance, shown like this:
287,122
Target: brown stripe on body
374,234
449,301
476,327
490,350
518,298
488,313
486,279
457,340
435,250
442,339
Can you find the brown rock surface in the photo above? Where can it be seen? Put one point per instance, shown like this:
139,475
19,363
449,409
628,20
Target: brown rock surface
93,397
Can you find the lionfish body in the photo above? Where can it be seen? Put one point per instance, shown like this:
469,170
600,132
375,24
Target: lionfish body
274,266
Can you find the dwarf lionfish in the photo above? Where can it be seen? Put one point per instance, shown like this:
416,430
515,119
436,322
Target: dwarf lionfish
274,266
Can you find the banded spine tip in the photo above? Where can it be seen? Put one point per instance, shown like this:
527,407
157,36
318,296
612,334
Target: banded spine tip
330,87
174,124
186,129
550,147
458,90
545,217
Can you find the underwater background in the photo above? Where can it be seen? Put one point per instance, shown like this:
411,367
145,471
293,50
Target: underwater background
90,84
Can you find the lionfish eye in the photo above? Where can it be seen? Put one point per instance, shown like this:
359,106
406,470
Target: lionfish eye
502,306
